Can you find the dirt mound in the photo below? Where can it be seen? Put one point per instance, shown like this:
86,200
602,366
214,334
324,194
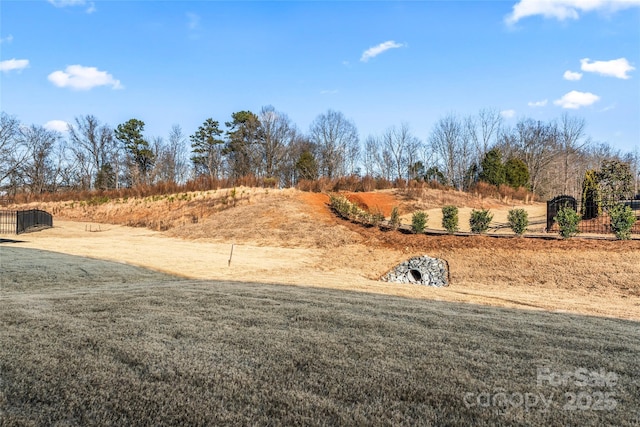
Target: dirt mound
284,219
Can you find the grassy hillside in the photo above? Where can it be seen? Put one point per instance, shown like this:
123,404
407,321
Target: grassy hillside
114,346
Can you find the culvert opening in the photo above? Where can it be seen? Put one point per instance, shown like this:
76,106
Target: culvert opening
415,275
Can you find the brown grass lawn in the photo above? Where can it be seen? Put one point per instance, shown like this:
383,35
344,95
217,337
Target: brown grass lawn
105,324
119,345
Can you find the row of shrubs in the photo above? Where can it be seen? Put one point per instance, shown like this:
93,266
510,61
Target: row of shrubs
344,208
479,222
622,219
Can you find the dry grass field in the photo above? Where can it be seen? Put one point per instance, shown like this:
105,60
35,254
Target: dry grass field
105,324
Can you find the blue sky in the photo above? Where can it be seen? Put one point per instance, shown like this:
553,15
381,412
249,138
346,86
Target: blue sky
379,63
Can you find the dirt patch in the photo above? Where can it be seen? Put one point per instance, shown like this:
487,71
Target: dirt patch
382,202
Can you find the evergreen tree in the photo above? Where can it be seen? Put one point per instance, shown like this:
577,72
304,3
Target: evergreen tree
130,134
207,149
493,170
591,201
516,173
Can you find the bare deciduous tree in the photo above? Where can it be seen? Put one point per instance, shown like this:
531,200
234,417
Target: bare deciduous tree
12,153
571,142
93,145
277,133
38,172
337,142
402,147
446,139
536,143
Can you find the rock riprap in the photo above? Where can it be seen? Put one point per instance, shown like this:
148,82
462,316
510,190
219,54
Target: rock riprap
422,270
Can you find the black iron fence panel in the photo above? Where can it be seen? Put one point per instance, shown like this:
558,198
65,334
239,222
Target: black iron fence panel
17,222
26,220
594,215
557,203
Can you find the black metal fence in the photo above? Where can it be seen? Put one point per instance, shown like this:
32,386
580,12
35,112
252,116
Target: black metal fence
17,222
595,218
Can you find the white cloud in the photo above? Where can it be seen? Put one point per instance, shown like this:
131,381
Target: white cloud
7,39
57,125
13,64
574,100
572,75
329,92
91,7
565,9
83,78
374,51
508,114
615,68
65,3
537,103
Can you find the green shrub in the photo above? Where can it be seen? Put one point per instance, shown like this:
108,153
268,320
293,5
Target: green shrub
340,205
419,221
568,220
518,221
394,221
622,220
450,218
480,220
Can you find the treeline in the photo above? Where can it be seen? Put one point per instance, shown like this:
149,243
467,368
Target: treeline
547,158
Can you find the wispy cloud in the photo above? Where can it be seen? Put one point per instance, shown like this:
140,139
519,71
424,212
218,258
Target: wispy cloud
329,92
572,75
91,6
374,51
13,65
193,21
508,114
574,100
7,39
615,68
193,25
565,9
537,103
83,78
57,125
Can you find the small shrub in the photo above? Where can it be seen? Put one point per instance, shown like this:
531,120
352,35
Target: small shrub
480,220
518,221
340,205
419,221
622,220
376,217
394,221
568,220
450,218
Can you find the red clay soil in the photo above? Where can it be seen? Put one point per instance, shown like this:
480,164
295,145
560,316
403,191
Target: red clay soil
319,204
372,202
